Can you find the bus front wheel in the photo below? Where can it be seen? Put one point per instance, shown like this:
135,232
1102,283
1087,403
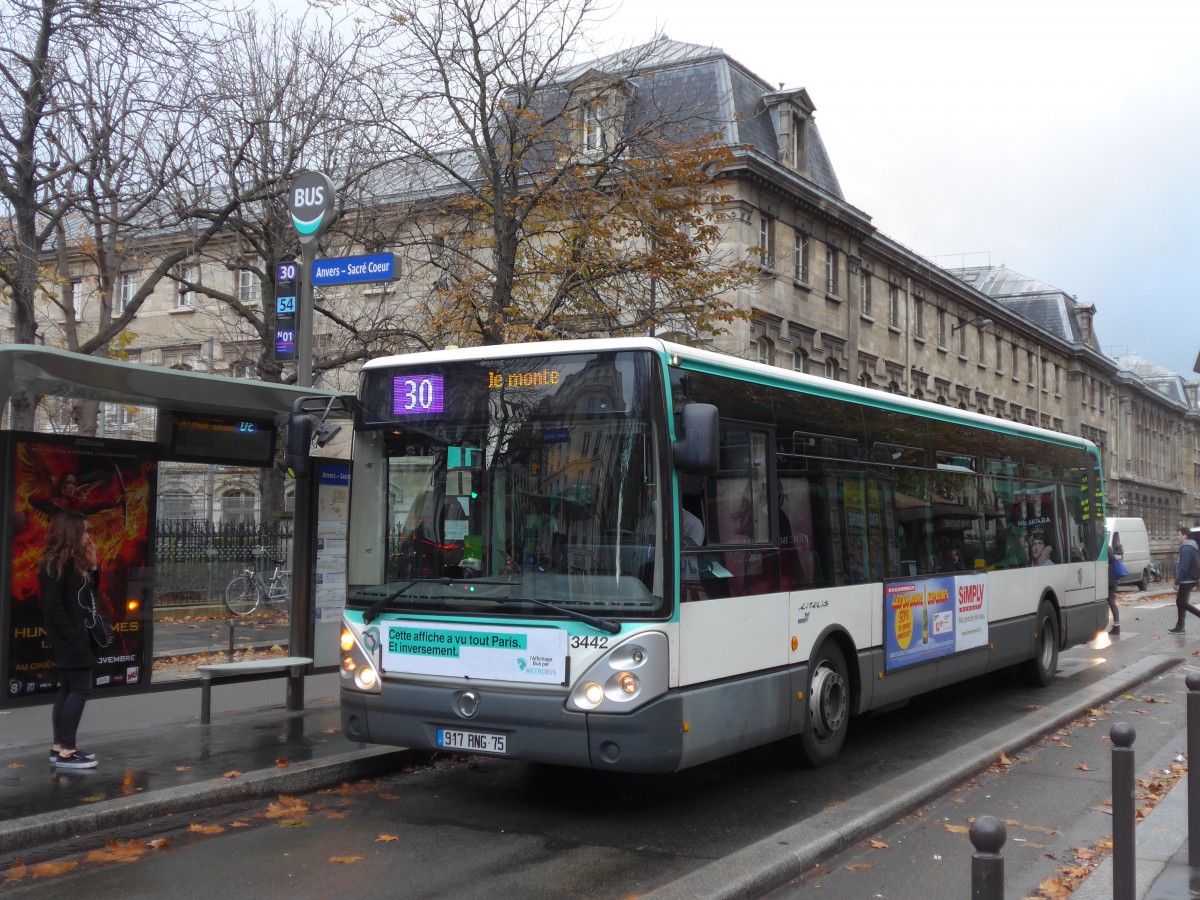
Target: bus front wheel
828,709
1040,670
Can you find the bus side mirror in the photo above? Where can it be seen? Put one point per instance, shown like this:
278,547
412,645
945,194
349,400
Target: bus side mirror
299,440
697,450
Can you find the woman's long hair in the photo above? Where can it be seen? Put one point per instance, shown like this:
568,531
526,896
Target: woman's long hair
65,543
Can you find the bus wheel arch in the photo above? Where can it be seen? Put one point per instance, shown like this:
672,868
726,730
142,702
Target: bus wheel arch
829,700
1047,641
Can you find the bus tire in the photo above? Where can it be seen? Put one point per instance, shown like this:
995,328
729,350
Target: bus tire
828,709
1040,670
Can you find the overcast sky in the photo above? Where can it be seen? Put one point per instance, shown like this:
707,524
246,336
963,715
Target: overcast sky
1056,137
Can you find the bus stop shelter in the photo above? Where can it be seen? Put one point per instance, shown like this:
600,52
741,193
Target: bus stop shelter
195,410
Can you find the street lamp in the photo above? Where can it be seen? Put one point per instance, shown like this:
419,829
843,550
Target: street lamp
983,322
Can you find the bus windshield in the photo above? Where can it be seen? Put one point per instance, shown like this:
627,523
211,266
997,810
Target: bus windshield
518,485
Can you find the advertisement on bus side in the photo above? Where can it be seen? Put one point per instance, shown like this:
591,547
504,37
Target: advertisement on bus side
927,618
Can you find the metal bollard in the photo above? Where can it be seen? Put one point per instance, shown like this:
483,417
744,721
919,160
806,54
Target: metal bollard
1193,752
988,835
1124,811
231,640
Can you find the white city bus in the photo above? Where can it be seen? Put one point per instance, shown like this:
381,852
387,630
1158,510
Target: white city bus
520,584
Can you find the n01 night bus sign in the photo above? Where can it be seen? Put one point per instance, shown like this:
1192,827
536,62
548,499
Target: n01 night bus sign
286,276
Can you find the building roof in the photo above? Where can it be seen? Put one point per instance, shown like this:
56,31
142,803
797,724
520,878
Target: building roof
1050,308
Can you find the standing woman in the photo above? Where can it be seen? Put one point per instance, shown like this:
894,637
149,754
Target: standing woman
67,597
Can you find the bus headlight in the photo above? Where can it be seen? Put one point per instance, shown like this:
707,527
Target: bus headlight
357,670
626,677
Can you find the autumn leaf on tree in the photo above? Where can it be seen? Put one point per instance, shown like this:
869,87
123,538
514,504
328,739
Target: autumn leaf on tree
117,852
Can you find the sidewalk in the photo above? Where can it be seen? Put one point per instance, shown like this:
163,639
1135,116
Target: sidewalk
156,758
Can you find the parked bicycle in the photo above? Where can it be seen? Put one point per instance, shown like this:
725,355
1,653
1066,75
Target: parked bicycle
246,593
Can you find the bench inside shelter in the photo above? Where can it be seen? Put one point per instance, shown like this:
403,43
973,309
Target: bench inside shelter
250,670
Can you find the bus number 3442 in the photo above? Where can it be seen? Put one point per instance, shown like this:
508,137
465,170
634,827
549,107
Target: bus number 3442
588,643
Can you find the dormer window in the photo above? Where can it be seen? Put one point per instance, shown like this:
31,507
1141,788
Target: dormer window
600,102
799,143
595,134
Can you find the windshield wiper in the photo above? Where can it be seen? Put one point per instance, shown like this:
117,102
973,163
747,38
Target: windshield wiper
378,606
609,625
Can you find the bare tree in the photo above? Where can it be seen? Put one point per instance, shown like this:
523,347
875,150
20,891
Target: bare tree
546,184
54,129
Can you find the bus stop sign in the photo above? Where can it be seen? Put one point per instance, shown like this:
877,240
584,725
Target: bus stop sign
310,201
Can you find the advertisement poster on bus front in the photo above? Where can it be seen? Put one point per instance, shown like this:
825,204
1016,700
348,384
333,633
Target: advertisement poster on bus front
112,484
927,618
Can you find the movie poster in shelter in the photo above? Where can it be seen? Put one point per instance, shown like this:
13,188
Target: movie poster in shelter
113,484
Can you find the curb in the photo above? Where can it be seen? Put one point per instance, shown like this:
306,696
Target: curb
766,864
44,828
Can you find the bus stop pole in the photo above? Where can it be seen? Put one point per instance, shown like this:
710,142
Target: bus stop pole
300,630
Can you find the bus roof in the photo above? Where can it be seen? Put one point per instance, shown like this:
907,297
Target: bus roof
711,361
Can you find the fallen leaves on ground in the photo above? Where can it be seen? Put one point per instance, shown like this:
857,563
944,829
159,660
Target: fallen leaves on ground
386,838
345,860
17,766
233,773
956,829
94,798
51,869
158,844
118,852
877,844
197,828
282,763
859,866
15,872
287,807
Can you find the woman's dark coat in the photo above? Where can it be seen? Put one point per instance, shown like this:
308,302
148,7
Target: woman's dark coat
66,601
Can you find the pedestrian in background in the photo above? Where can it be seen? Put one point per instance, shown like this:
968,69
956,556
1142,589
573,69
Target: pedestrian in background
64,577
1115,552
1186,575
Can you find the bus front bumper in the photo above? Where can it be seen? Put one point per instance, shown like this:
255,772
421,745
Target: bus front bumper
535,728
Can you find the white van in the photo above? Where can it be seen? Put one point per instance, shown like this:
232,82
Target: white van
1130,535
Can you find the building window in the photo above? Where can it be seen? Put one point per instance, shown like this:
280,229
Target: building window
832,369
799,143
126,288
1032,370
831,270
919,325
894,306
249,286
800,361
766,241
243,368
185,297
177,506
864,291
765,351
801,260
941,328
237,508
1016,361
962,338
999,355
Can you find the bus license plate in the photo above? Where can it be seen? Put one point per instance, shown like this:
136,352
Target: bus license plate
472,740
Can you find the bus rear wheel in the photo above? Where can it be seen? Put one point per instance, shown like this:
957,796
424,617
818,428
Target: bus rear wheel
1040,670
828,709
